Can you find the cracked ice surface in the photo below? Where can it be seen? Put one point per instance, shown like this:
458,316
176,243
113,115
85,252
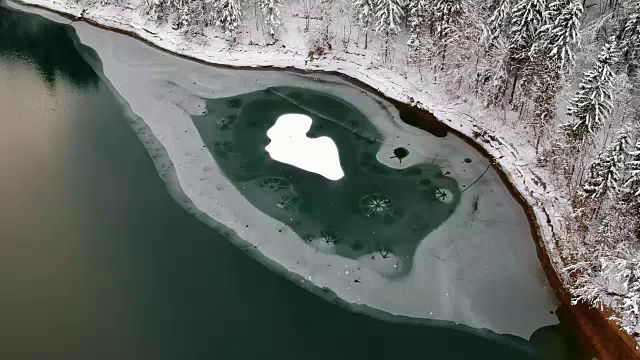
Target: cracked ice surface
478,266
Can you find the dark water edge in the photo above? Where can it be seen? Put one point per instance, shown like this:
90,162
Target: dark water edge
193,294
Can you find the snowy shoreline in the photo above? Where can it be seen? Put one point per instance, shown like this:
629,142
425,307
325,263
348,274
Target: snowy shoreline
514,159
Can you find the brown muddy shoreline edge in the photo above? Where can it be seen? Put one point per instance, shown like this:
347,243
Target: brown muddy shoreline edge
597,334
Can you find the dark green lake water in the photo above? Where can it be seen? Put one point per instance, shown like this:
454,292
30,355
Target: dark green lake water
97,261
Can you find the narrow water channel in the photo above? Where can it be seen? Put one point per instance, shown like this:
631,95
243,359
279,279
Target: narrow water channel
114,247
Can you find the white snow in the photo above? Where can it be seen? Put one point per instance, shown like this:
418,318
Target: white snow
290,145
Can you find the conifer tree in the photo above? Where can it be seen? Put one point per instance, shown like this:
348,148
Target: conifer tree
445,16
629,37
592,104
607,170
188,13
364,11
561,32
494,76
632,181
227,15
160,9
419,15
541,77
272,17
388,14
526,19
497,24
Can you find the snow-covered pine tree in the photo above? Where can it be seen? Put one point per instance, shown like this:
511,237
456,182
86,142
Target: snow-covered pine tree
526,19
561,32
607,170
592,104
631,185
445,16
629,37
227,15
549,58
322,36
388,16
364,10
493,75
159,9
271,11
541,84
189,13
419,16
497,24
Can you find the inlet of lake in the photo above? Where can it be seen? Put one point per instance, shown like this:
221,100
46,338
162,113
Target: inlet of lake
142,216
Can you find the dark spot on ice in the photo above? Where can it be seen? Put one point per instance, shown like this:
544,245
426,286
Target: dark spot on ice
400,153
467,160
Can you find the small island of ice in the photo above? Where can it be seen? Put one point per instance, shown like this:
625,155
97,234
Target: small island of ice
290,145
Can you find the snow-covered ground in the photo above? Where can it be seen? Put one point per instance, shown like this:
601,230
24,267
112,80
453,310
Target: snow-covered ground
506,143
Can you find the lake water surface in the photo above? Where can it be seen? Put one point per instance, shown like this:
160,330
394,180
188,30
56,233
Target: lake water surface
141,218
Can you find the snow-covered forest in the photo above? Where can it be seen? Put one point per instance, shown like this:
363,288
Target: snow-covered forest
564,71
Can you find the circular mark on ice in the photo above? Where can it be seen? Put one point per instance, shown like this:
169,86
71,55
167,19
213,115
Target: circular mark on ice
275,184
376,205
444,195
467,160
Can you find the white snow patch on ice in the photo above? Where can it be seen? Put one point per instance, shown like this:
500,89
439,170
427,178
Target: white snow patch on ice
290,145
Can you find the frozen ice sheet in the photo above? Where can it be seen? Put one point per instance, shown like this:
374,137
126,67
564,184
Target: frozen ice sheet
477,267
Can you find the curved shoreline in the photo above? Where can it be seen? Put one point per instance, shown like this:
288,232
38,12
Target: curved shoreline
600,333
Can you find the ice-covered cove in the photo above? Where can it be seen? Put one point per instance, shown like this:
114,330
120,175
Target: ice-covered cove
483,281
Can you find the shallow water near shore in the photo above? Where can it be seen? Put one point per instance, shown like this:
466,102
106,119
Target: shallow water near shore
108,252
